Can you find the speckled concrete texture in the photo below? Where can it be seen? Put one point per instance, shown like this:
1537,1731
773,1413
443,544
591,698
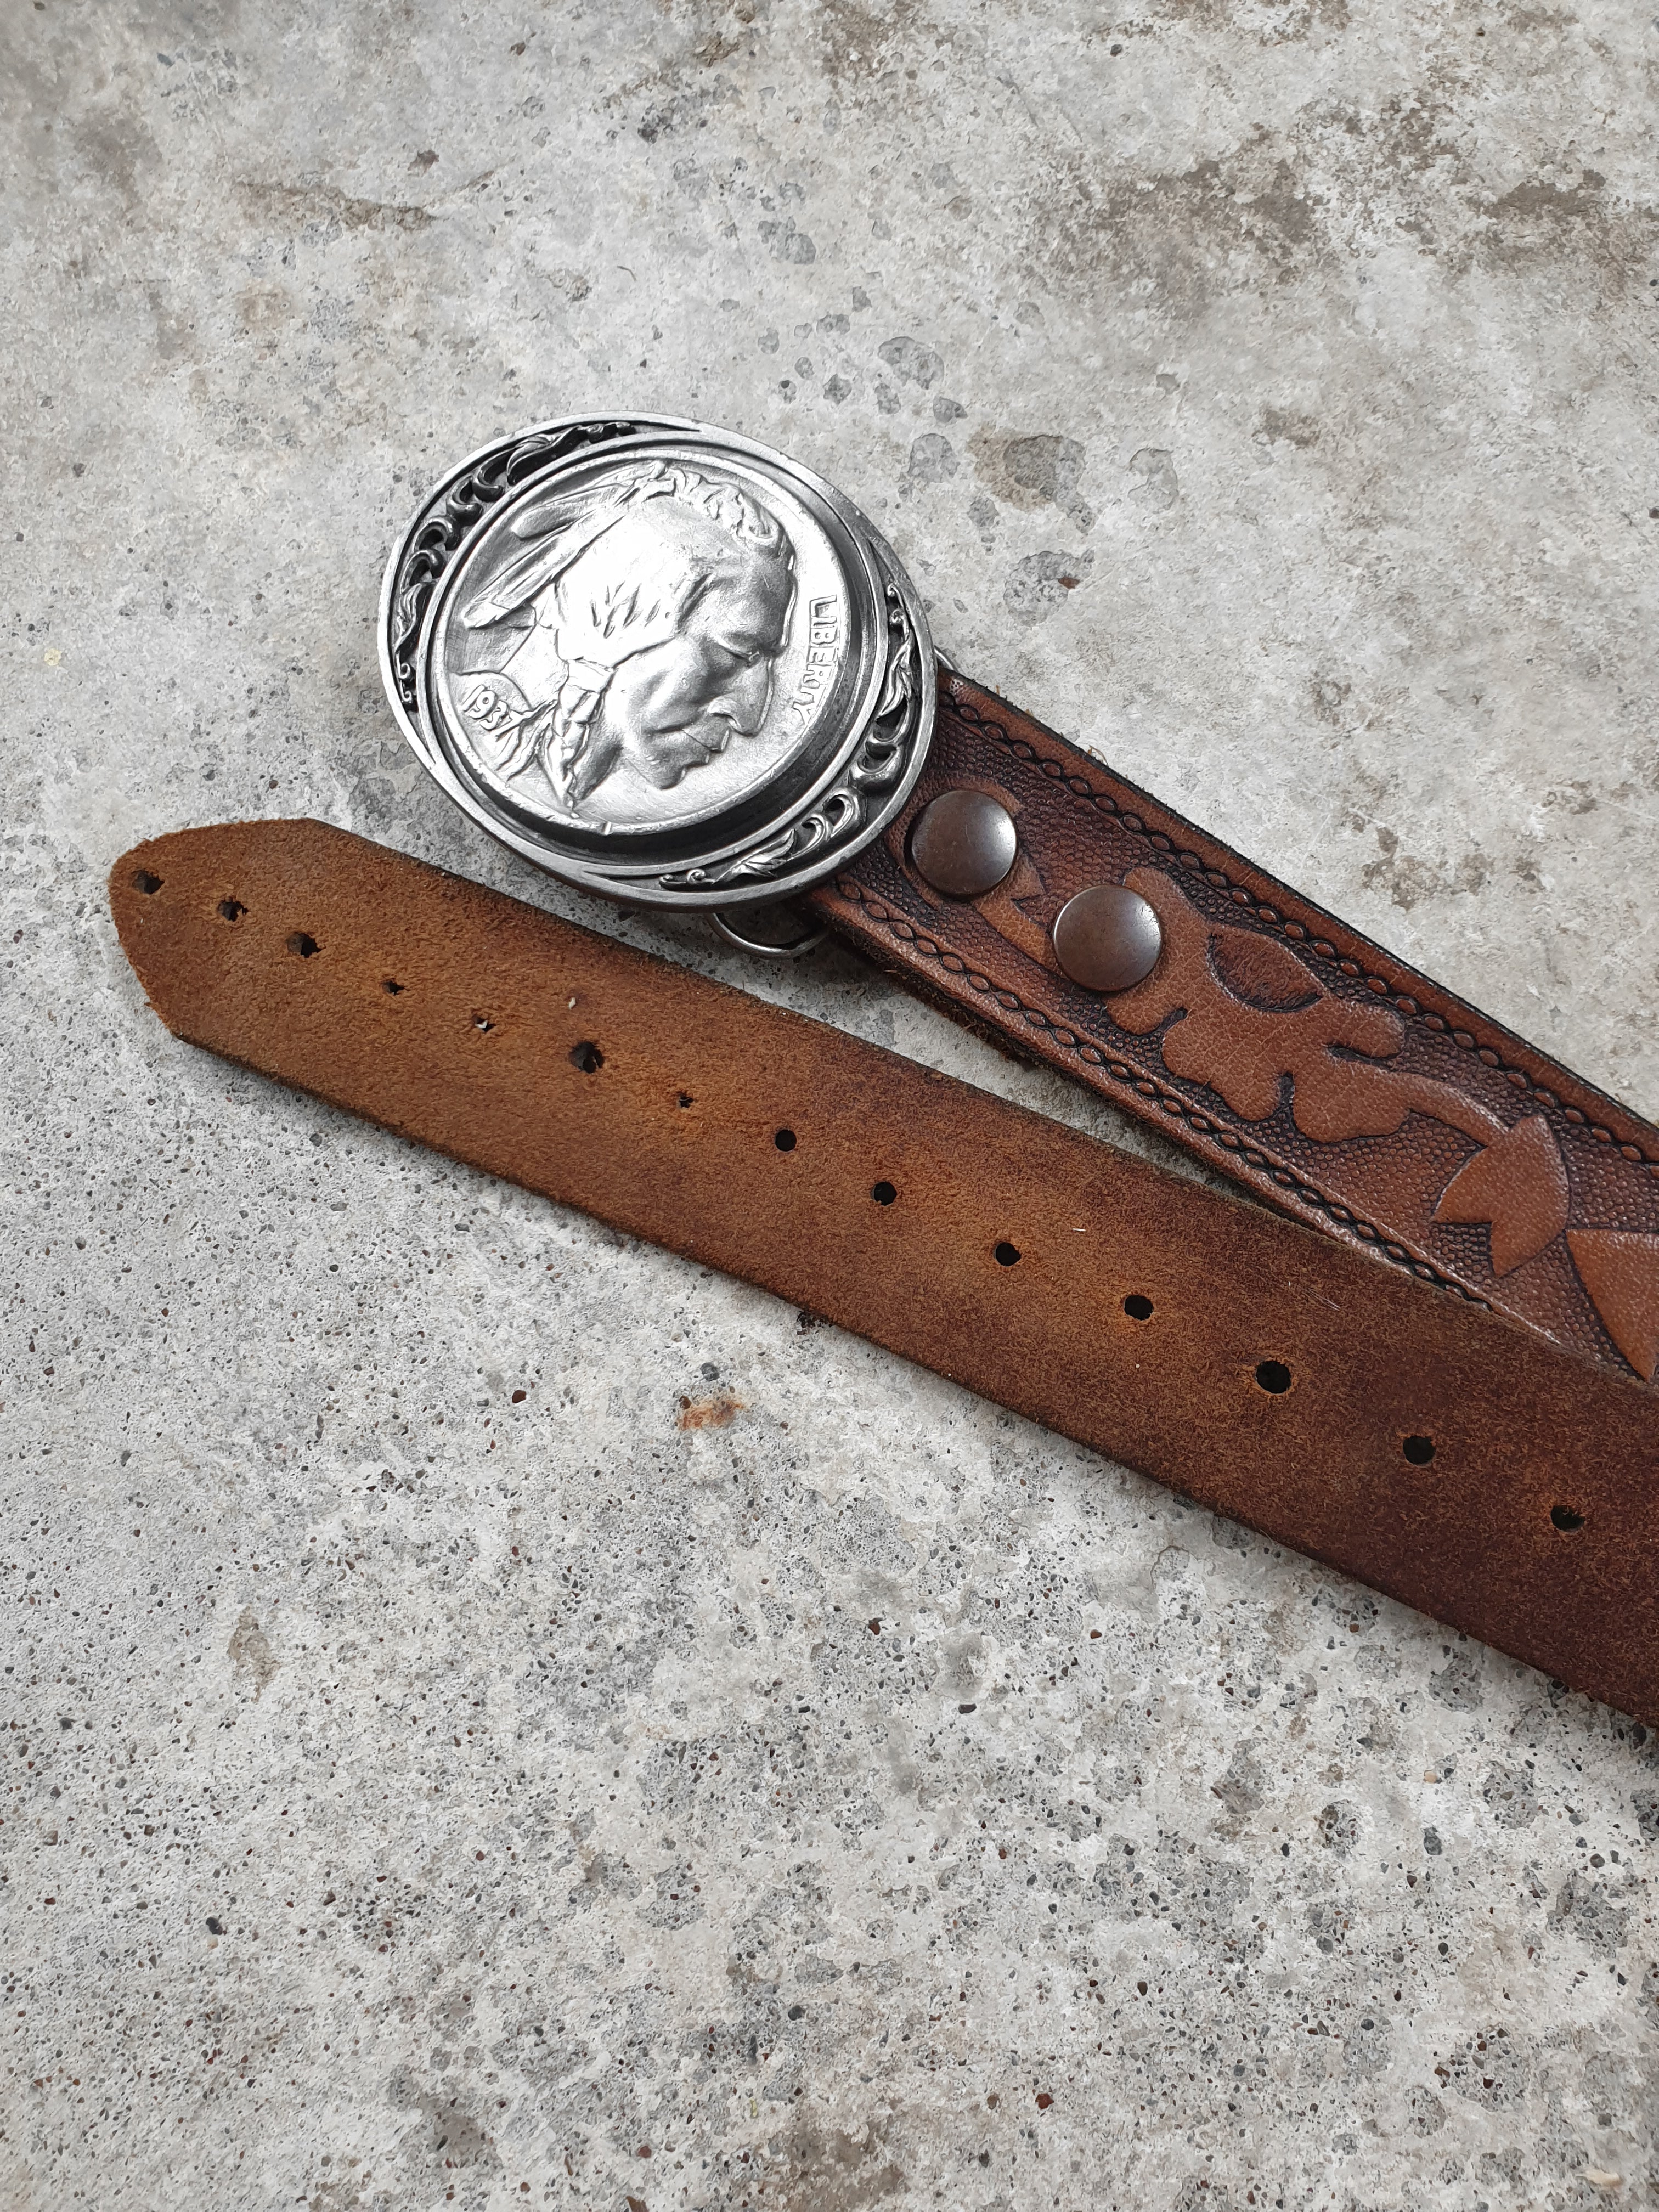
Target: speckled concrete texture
493,1714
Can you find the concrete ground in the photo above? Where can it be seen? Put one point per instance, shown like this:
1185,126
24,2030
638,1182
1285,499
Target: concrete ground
403,1809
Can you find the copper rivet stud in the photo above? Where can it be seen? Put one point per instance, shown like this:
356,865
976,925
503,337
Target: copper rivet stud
1107,938
963,844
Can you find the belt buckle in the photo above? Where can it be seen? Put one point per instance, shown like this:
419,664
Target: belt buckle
661,661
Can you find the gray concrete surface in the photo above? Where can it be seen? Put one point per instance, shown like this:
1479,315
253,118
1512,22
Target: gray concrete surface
417,1794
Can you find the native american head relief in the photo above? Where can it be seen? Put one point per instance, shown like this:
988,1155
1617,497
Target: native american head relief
657,607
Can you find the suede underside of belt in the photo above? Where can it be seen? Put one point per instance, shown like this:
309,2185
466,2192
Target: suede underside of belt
1281,1377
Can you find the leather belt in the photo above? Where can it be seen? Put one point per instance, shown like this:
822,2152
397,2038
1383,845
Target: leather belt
676,668
1468,1466
673,667
1280,1047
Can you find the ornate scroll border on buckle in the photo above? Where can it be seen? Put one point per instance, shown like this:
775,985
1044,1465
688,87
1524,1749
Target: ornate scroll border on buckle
438,536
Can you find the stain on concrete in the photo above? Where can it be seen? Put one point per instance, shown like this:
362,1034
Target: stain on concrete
785,242
453,2137
1043,581
1157,487
1243,1787
1511,1793
1329,695
1339,1827
982,514
250,1653
1030,471
912,363
933,459
1540,216
717,1412
1283,425
321,207
830,2169
1458,1684
856,42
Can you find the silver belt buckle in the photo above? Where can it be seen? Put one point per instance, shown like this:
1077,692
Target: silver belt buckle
661,661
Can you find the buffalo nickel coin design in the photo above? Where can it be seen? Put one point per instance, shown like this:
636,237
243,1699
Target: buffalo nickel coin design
660,661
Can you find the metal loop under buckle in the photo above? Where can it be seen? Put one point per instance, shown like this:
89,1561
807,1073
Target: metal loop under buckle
794,949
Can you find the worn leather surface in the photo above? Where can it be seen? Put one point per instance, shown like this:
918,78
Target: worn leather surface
1279,1046
653,1098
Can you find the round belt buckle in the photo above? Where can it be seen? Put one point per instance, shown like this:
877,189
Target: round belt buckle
661,661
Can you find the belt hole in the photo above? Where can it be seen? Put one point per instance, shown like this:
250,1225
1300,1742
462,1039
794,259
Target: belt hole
883,1193
483,1024
391,987
301,943
1419,1450
149,885
586,1056
1137,1307
1274,1377
231,909
1006,1255
685,1099
784,1139
1567,1518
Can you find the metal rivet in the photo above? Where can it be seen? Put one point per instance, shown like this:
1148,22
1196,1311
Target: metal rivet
963,844
1107,938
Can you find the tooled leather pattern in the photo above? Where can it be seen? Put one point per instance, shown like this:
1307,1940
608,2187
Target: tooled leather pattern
1279,1046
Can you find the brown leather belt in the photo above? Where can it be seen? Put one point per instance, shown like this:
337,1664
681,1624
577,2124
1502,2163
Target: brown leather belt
1471,1467
1279,1046
674,667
